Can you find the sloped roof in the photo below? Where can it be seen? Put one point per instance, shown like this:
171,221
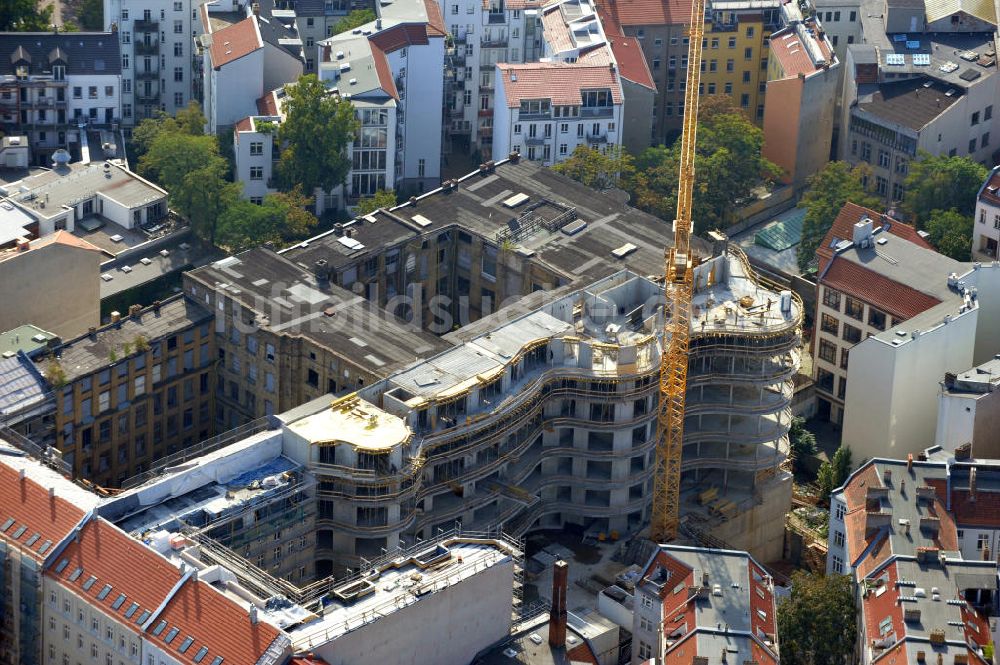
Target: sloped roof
649,12
83,52
891,296
981,9
29,510
235,41
563,83
632,63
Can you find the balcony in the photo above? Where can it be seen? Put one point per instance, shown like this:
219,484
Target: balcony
494,42
147,97
141,26
147,76
147,48
597,112
597,138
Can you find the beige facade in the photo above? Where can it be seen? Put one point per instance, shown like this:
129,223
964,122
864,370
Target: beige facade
76,631
52,283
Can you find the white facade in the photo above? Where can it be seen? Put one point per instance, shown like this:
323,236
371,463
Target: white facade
157,46
986,230
541,130
417,71
254,156
841,19
231,91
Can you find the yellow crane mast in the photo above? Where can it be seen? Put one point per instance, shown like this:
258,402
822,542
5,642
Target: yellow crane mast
678,287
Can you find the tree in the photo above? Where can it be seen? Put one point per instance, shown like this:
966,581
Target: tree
189,120
24,16
828,191
355,19
293,209
91,15
728,167
598,169
942,183
817,623
802,441
951,233
317,129
841,464
243,225
383,198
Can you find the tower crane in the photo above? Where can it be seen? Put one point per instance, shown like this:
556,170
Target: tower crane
678,287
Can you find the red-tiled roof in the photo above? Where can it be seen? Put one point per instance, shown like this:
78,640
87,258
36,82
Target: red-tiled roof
38,517
992,197
235,41
843,229
244,125
267,105
384,72
435,19
398,36
632,63
563,83
650,12
983,511
197,610
789,51
876,289
104,555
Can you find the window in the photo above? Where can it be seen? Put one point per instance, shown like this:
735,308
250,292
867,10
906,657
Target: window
838,538
178,99
831,298
517,128
840,511
732,42
647,601
749,31
876,319
988,112
178,73
985,140
256,172
178,49
854,308
745,99
844,354
256,148
827,351
982,541
842,388
852,334
884,159
837,565
645,651
975,119
972,146
563,149
829,324
824,380
178,27
421,167
748,53
730,65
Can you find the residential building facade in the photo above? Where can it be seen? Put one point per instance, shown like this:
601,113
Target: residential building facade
52,84
986,230
803,83
134,390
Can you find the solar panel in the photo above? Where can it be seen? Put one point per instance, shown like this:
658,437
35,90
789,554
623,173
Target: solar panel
899,38
912,44
921,59
895,59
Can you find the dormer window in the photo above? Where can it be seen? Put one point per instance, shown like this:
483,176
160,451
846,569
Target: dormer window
596,98
59,72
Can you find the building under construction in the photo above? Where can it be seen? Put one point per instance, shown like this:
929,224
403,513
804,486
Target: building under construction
549,419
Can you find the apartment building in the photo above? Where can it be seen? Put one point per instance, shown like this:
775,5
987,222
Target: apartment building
551,108
709,588
968,409
849,308
803,83
244,53
85,194
841,21
913,537
63,267
157,42
923,79
35,520
986,230
51,84
134,390
255,155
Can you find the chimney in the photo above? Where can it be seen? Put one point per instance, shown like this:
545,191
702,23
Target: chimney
22,474
557,616
986,553
963,452
256,9
134,310
23,244
156,305
253,615
887,477
92,331
909,461
116,316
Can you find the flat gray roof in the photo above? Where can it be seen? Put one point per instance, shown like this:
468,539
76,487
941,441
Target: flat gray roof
291,301
582,253
87,354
